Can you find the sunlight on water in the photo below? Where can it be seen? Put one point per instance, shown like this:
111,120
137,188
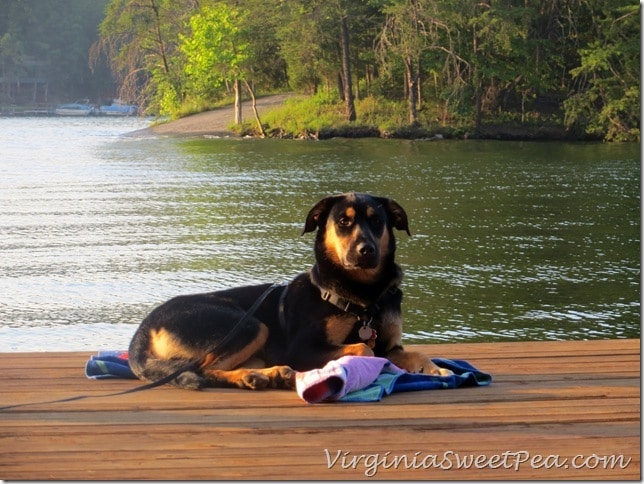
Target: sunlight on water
510,240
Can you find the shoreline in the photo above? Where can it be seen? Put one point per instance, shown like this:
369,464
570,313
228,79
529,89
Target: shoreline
216,124
213,123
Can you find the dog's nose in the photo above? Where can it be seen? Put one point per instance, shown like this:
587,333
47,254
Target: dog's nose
366,249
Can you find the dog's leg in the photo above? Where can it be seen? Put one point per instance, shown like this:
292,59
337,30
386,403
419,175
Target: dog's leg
415,362
357,349
232,370
151,368
333,352
157,369
281,377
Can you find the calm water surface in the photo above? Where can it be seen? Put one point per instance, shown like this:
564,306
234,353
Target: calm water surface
511,240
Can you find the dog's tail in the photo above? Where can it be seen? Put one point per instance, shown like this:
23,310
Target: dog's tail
148,368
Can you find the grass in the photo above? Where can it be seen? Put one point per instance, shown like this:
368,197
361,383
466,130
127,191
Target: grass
322,116
304,116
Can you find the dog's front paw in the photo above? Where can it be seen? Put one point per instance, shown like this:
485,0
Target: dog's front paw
430,368
282,377
254,380
445,372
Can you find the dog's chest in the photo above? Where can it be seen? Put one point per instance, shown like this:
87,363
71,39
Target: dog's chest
346,328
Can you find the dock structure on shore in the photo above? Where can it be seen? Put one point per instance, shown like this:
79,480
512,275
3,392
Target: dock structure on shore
555,410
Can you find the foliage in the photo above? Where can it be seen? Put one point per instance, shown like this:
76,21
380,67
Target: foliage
49,41
467,63
140,38
412,29
299,117
322,115
216,48
610,67
307,45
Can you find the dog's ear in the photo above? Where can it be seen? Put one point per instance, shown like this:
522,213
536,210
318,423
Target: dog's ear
319,213
396,214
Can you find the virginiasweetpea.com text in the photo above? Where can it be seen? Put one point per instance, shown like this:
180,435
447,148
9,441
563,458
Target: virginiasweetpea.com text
371,463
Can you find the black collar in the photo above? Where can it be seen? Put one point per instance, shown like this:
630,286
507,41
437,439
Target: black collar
363,309
363,313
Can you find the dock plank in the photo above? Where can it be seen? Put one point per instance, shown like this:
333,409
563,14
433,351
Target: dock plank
555,410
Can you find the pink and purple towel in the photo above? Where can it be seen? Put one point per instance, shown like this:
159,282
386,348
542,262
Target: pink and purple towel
368,379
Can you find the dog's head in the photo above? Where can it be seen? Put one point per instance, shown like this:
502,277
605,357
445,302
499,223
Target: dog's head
355,232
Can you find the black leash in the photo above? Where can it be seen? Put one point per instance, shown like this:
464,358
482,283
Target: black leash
188,367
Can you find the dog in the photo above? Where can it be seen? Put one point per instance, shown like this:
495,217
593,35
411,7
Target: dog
349,303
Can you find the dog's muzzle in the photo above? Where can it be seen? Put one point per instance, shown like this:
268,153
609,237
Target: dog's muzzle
364,255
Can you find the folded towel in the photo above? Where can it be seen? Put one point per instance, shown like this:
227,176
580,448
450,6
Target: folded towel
368,379
341,376
109,364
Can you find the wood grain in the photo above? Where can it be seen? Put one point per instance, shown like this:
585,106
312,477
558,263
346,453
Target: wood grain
555,410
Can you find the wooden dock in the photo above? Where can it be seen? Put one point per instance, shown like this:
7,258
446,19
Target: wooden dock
555,410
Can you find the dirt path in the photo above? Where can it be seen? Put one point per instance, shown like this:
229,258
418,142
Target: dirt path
212,123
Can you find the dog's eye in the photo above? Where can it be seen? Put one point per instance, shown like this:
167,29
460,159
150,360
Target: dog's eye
345,221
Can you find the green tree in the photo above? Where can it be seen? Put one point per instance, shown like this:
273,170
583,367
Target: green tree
50,41
218,52
308,43
11,64
268,68
323,40
608,103
470,61
412,28
347,80
499,36
140,39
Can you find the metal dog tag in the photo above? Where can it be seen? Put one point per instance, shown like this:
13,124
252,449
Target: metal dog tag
365,332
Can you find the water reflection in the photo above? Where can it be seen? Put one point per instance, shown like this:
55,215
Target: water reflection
510,240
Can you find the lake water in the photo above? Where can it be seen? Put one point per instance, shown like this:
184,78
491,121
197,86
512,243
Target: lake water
511,240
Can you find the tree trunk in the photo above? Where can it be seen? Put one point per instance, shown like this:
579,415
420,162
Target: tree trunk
238,102
346,70
412,91
419,89
254,105
162,52
478,102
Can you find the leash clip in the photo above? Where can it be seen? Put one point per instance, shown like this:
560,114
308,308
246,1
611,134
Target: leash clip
365,321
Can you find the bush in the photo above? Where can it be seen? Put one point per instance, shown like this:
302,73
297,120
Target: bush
302,116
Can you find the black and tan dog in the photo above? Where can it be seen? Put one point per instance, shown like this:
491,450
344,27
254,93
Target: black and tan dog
347,304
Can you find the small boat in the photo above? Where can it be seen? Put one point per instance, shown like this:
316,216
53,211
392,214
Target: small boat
81,107
118,108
